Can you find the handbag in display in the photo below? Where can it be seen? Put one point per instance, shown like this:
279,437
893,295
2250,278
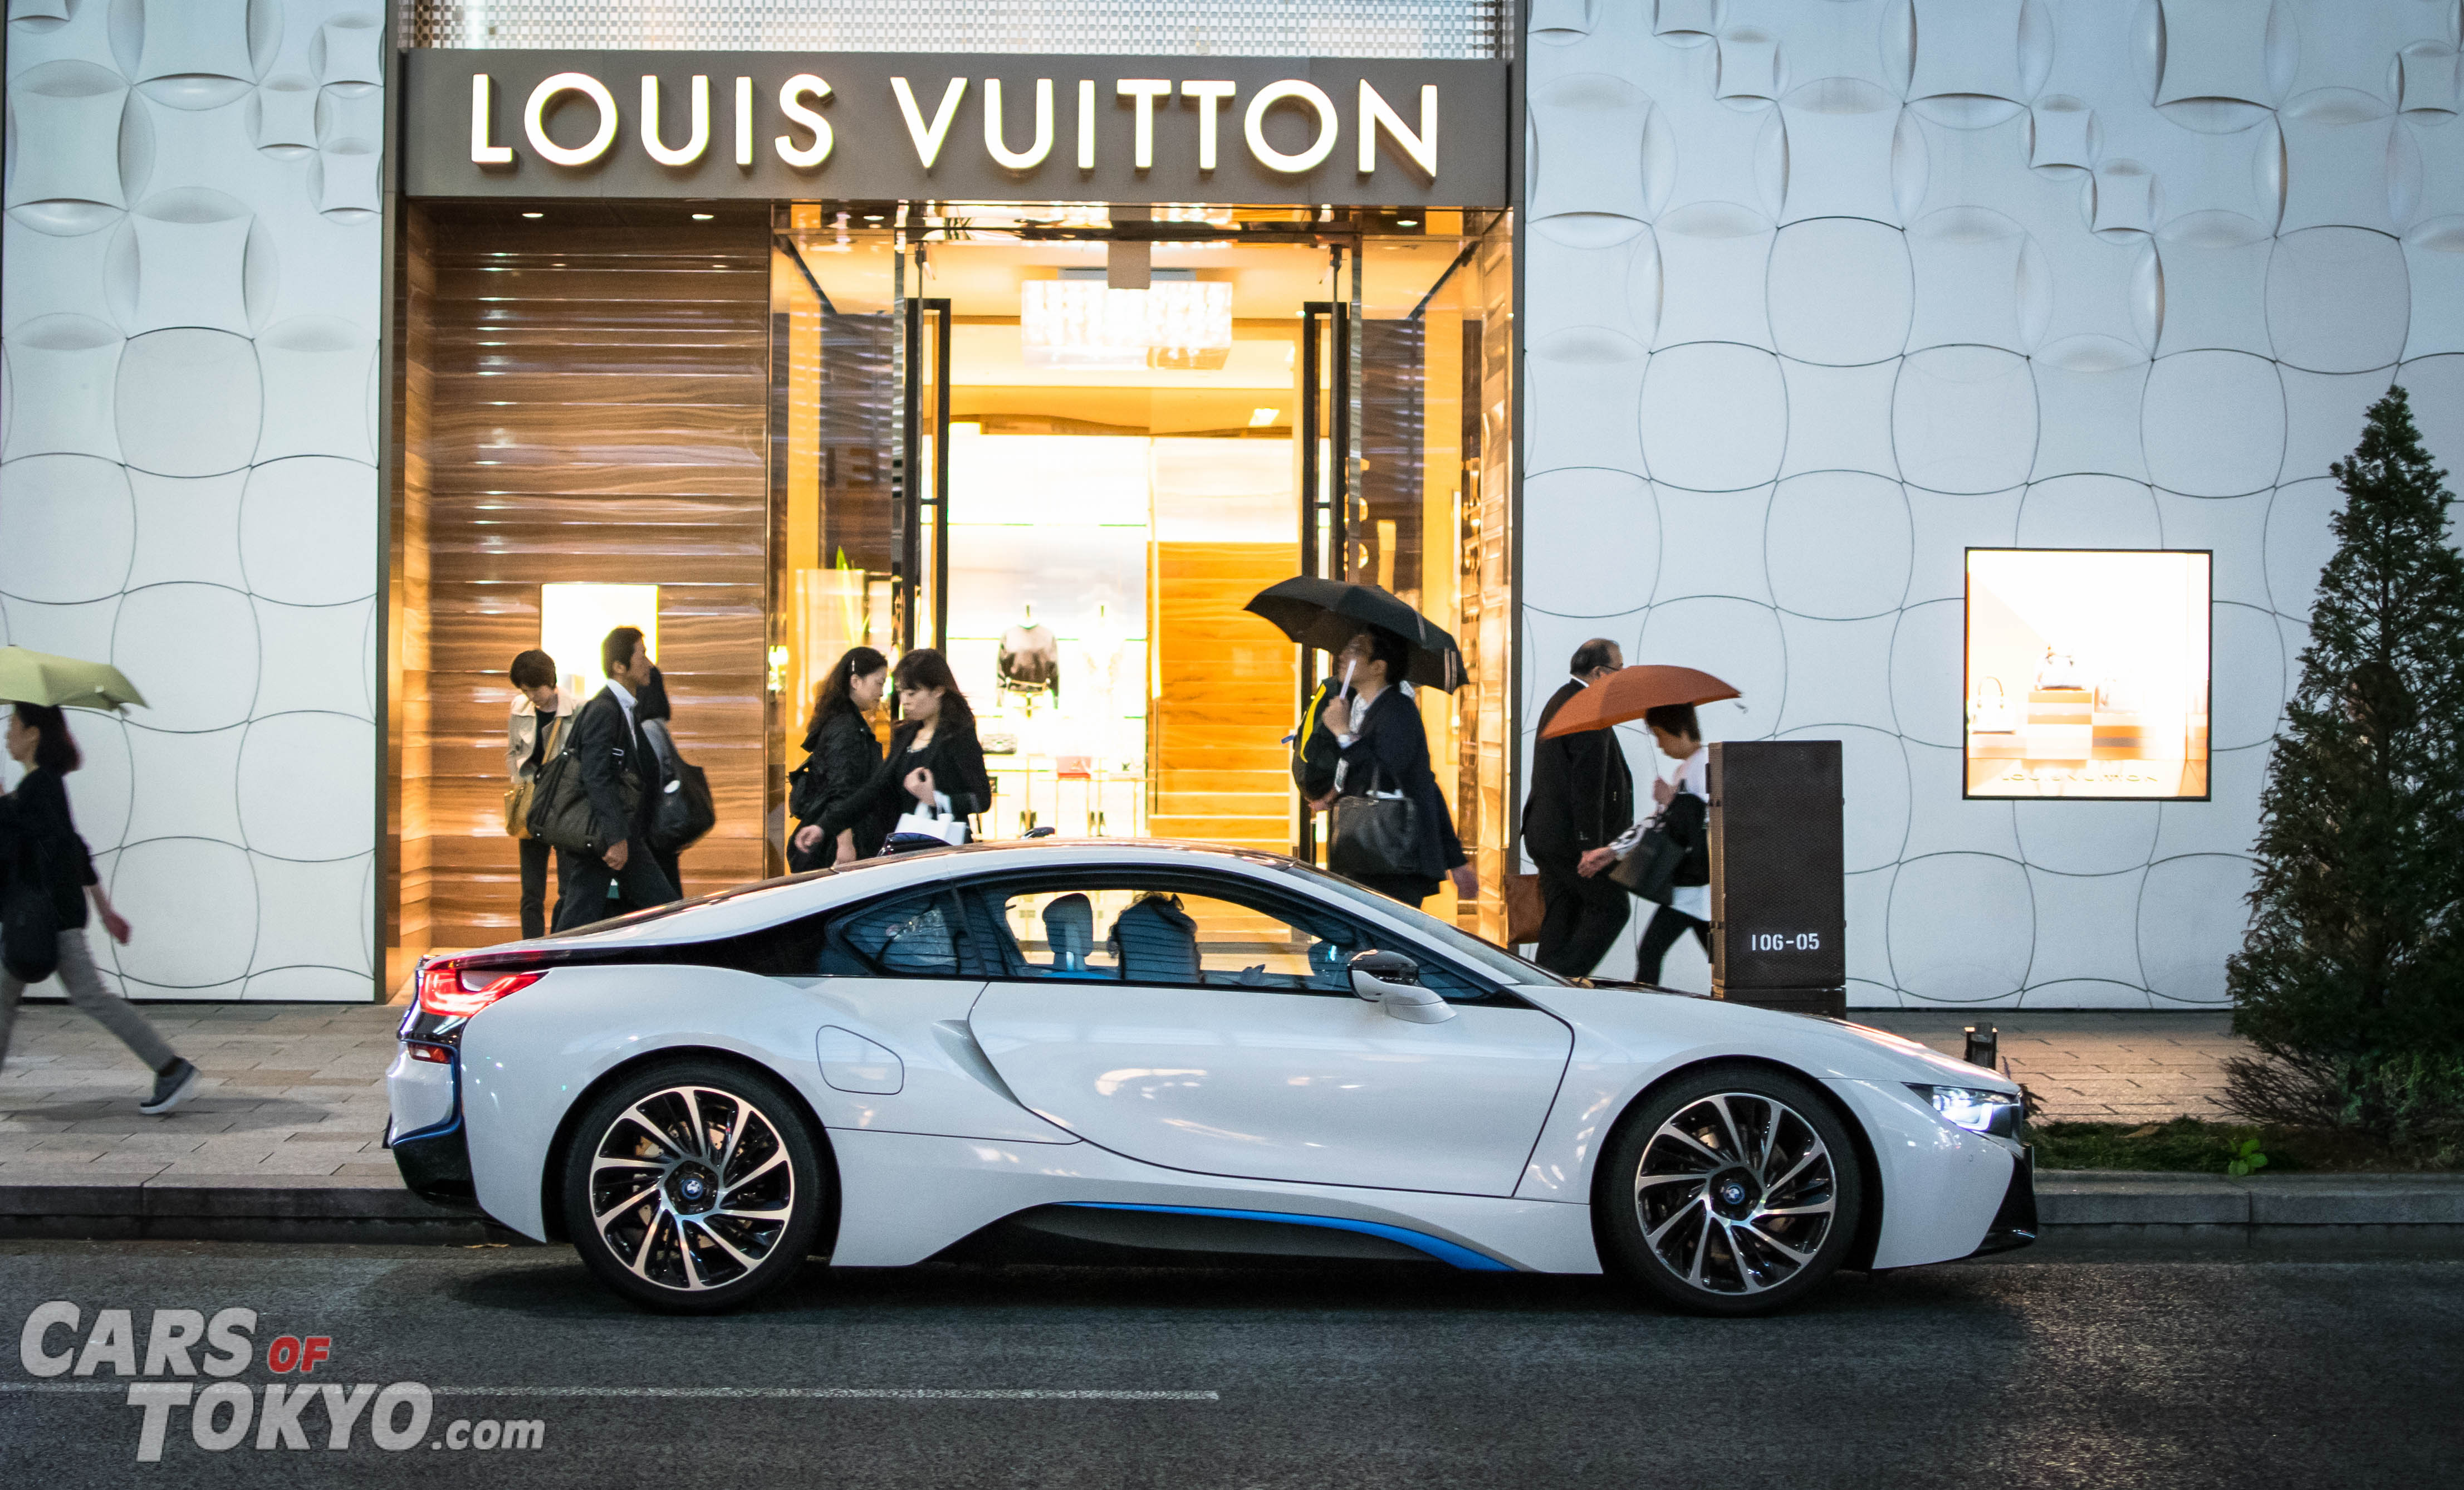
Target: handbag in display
686,810
1993,713
1375,837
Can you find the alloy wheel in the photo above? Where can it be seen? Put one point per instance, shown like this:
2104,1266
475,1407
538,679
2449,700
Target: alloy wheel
1736,1193
692,1188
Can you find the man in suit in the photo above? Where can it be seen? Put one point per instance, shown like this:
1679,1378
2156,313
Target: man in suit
613,758
1582,798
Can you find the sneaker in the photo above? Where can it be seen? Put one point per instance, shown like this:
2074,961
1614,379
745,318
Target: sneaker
172,1086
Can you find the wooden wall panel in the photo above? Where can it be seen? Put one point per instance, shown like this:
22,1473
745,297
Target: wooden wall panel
1220,771
600,386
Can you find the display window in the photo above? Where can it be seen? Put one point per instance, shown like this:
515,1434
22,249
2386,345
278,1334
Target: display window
2087,673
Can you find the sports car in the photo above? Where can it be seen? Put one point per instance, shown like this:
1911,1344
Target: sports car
1136,1049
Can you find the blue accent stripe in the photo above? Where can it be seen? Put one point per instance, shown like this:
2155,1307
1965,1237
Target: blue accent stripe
1455,1252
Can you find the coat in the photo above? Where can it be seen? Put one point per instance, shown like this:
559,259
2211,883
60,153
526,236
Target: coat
1391,753
1582,791
841,758
522,731
956,760
39,841
607,753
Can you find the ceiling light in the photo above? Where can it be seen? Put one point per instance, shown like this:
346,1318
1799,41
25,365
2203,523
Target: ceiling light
1259,418
533,215
872,217
1086,323
701,216
1407,222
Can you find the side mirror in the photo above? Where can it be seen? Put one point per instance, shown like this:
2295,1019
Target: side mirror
1392,982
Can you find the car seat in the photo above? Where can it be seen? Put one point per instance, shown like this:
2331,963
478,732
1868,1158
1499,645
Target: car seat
1155,942
1070,927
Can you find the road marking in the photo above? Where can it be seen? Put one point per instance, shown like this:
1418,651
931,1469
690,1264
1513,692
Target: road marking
820,1393
839,1394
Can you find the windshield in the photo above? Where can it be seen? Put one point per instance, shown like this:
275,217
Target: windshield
1491,958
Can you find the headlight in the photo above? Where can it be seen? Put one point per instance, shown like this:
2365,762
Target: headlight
1974,1108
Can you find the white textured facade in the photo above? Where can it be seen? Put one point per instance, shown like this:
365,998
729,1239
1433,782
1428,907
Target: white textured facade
1820,293
187,464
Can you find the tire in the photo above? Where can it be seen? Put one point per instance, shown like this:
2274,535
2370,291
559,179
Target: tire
728,1202
1734,1189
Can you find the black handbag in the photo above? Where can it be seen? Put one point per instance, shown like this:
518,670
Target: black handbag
561,815
1648,871
1660,862
1375,837
30,928
686,810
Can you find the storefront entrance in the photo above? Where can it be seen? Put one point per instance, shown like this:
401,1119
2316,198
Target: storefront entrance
1064,444
1114,427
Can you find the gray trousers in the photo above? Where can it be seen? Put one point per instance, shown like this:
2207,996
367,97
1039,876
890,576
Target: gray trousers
98,1003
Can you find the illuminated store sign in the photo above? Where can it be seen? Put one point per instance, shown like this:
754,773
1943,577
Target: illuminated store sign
2087,673
881,125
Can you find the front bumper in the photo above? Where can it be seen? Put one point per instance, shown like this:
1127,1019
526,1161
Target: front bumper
2014,1225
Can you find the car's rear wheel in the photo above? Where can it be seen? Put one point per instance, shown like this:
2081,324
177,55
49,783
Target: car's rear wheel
694,1186
1734,1189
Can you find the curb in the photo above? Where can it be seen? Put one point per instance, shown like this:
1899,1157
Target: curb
237,1208
2092,1209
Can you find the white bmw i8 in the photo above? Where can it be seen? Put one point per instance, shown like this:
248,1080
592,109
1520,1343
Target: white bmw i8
1137,1050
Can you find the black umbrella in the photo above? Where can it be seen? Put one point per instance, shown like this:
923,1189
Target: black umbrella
1326,614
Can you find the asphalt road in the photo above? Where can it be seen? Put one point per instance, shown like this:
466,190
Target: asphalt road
1998,1376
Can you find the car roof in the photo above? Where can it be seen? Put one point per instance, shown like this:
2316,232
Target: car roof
755,907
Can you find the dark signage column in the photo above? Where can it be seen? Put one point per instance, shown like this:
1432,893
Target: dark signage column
1779,913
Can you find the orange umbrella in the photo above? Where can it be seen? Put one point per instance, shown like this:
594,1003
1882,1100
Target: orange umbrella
1630,693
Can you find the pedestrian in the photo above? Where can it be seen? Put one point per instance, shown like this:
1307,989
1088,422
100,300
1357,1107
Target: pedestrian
1582,798
613,758
39,849
652,712
935,759
1385,748
840,754
542,712
1684,813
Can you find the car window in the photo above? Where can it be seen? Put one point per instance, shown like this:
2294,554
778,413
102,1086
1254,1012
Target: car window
1162,931
913,936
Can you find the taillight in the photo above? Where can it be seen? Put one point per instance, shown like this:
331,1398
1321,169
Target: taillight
452,991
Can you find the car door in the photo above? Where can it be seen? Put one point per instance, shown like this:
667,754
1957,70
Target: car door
1209,1024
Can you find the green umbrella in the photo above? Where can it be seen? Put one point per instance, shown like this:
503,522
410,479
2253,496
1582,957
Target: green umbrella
63,682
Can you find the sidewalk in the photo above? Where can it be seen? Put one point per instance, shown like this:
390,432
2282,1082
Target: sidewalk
2122,1065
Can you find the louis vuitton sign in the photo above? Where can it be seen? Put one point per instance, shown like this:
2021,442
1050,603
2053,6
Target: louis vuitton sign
885,126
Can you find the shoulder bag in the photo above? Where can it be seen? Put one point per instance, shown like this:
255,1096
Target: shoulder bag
561,812
30,923
517,796
1376,835
686,810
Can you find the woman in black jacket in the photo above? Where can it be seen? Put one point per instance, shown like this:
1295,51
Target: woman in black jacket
40,850
934,761
840,756
1385,748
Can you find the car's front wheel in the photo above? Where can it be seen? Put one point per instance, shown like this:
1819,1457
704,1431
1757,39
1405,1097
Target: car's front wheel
1734,1189
694,1186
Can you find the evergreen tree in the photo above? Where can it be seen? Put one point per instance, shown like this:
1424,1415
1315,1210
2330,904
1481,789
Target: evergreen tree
2349,979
